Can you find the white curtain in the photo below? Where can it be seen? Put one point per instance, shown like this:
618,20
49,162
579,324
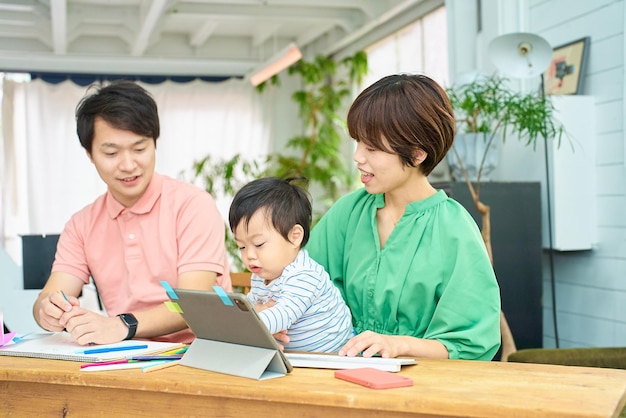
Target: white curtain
47,176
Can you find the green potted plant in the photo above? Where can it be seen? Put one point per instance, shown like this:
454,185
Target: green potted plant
487,113
315,154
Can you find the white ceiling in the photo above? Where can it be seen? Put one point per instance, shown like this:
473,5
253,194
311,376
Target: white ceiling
183,37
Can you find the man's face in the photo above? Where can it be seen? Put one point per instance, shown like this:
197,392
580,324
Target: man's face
124,160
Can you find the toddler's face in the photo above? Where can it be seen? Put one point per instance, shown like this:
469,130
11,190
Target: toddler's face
264,250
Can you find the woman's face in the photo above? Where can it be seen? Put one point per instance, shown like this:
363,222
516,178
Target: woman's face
381,171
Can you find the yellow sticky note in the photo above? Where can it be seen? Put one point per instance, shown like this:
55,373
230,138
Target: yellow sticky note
173,306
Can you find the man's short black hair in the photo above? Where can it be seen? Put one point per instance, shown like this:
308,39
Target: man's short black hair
123,104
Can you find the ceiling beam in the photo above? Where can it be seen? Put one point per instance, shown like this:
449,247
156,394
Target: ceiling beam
264,33
88,64
152,16
16,7
404,10
200,36
348,17
58,17
306,38
103,31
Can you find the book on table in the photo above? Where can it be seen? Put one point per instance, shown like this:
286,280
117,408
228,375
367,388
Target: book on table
60,346
334,361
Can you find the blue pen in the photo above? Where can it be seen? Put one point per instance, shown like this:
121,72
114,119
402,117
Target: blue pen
63,294
21,337
112,349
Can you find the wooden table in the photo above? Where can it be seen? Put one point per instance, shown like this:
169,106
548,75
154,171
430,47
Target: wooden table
36,387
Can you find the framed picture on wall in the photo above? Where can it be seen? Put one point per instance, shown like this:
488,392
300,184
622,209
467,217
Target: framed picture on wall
565,73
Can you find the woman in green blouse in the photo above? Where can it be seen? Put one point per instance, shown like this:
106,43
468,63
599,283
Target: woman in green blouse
409,261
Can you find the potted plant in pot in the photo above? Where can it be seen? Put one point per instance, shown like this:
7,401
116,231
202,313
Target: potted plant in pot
488,112
314,154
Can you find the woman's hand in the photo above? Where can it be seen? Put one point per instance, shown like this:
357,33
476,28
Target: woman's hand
368,344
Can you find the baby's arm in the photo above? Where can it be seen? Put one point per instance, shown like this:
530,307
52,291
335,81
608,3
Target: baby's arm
296,296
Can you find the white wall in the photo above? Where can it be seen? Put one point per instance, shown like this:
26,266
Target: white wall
590,285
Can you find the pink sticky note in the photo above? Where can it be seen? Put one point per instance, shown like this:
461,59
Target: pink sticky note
6,338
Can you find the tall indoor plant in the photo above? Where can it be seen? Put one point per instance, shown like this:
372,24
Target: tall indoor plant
315,154
489,108
492,112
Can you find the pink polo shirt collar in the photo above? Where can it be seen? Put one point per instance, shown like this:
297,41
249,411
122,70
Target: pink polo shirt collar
145,203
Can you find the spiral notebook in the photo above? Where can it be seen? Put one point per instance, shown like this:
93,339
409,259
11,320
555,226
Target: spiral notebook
59,346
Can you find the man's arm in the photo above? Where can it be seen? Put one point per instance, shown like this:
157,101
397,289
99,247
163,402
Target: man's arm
54,313
160,320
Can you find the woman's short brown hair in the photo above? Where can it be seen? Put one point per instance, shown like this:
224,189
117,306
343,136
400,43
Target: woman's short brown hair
404,113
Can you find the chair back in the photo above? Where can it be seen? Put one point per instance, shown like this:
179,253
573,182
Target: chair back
241,280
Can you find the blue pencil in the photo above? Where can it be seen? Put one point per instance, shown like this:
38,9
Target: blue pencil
111,349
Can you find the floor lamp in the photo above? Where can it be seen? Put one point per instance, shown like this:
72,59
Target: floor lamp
526,55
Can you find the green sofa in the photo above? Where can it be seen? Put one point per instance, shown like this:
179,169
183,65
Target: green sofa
608,357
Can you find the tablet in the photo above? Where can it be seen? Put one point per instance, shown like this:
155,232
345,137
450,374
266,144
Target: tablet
228,318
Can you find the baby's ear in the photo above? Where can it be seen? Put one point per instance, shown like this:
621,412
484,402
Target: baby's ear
296,235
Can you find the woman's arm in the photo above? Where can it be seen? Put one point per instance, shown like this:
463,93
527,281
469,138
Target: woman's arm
369,343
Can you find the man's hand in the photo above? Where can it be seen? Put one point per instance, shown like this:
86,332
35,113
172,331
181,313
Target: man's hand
88,327
52,307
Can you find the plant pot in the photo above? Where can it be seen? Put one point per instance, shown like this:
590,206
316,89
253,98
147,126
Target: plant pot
471,148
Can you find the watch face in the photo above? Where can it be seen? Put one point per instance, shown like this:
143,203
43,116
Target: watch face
129,319
131,322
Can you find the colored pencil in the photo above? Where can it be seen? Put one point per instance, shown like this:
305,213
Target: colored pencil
161,365
112,349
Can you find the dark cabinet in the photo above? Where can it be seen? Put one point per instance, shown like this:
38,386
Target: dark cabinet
517,251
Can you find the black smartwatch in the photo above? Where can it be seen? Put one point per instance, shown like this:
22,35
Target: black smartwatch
131,322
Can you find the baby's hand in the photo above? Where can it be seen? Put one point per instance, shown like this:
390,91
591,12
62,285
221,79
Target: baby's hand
263,306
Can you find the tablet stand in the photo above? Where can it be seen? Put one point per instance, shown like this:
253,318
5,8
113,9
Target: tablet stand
235,359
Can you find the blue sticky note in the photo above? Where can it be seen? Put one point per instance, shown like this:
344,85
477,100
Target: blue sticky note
225,299
169,290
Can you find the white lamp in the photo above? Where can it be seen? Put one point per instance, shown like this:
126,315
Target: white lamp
283,59
526,55
520,55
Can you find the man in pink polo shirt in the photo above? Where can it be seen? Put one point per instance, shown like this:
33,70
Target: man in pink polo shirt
145,229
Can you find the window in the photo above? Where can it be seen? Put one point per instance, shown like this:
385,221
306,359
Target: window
421,47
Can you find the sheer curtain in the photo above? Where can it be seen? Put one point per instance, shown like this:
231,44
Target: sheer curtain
47,176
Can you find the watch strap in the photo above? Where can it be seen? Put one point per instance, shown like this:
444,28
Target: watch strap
131,322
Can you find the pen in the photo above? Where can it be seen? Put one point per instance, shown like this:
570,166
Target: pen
63,294
21,337
157,357
111,349
106,363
